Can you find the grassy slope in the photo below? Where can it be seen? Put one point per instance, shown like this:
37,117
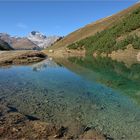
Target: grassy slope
106,41
93,28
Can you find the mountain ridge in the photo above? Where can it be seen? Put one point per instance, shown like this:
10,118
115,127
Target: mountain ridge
34,41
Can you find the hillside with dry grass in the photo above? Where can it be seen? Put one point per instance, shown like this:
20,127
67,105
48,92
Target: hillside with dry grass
94,30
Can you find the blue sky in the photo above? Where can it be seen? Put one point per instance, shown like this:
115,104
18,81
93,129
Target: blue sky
55,17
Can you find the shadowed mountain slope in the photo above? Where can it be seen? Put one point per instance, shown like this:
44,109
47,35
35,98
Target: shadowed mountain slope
4,45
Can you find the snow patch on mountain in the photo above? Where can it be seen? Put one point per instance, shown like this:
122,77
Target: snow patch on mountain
42,40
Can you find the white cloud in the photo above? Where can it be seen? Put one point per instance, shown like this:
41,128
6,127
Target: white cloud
22,25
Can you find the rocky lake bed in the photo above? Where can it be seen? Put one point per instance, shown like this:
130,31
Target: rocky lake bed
15,125
54,100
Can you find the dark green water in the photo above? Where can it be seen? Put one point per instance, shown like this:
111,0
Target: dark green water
80,92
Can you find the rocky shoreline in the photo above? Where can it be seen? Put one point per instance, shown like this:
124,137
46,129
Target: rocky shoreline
20,57
15,125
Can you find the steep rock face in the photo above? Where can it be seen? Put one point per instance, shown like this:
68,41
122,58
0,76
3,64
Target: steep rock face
41,40
4,45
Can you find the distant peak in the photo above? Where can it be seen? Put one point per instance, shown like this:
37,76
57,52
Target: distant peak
37,34
34,32
42,40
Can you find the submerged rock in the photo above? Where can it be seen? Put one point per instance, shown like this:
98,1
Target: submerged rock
60,133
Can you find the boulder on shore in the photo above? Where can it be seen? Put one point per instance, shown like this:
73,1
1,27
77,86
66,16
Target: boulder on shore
21,57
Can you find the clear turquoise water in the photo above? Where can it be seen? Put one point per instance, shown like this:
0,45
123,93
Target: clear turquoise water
57,94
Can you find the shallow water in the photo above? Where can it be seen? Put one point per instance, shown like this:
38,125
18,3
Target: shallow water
61,95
